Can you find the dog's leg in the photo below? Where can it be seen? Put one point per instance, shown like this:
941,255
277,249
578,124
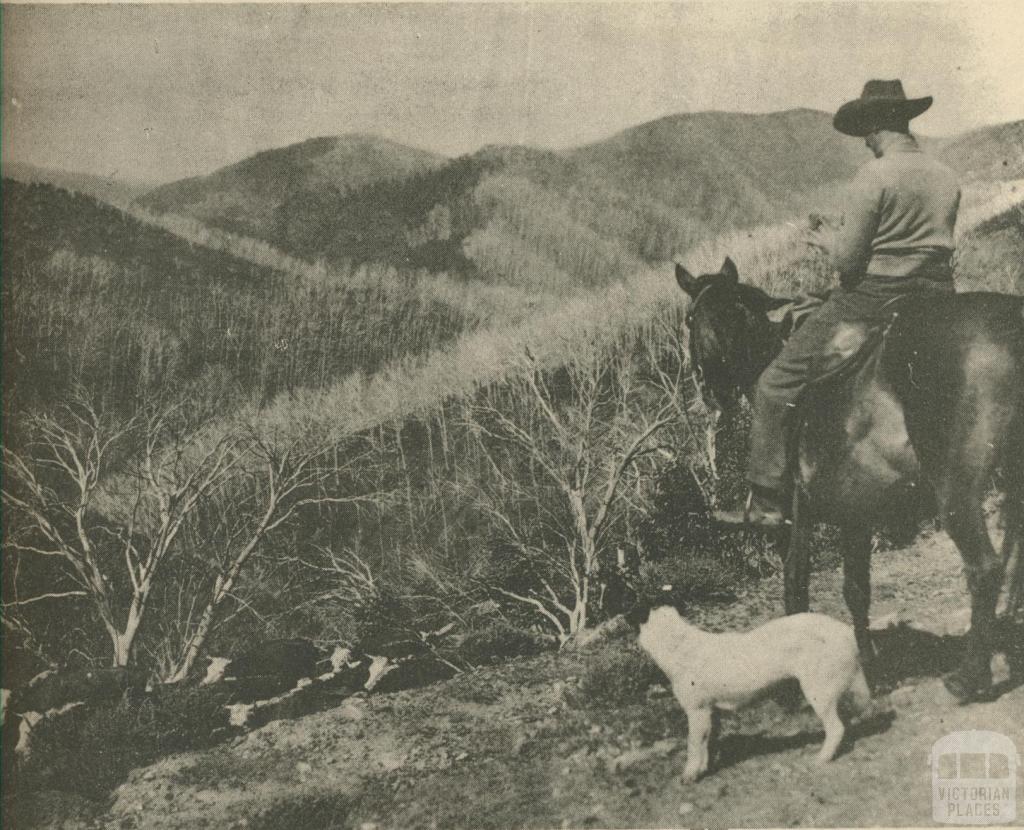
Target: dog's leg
698,724
823,690
834,731
824,698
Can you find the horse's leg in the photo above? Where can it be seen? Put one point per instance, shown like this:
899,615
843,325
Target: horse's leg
795,540
1013,542
964,520
856,543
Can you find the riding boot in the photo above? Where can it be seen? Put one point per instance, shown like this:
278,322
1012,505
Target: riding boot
764,509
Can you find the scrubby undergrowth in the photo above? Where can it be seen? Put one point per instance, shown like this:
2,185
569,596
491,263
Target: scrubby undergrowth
591,738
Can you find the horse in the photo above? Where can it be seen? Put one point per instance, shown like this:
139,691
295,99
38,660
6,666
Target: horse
935,406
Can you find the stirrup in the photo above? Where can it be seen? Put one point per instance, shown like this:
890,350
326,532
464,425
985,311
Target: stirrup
747,517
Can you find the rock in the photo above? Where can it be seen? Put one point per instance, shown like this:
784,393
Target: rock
902,695
1001,671
352,710
581,641
632,757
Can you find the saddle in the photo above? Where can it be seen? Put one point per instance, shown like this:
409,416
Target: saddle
797,312
868,349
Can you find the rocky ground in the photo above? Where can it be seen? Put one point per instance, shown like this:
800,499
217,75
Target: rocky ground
547,743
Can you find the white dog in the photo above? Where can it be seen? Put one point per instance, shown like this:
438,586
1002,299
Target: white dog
728,670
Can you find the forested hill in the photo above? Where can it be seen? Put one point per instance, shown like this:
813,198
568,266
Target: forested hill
728,168
552,220
254,195
94,297
504,211
995,152
111,189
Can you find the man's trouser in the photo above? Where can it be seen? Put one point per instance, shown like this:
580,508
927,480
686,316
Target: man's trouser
829,335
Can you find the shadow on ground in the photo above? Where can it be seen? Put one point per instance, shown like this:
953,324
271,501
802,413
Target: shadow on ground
733,749
903,652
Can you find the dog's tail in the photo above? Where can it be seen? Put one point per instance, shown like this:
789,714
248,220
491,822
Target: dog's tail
858,693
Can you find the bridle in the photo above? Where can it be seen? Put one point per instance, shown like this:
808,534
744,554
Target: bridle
688,319
696,368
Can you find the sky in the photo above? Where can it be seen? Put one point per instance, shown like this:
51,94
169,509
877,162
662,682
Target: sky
159,92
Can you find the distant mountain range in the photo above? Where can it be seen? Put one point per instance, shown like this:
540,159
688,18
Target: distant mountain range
522,215
989,153
511,213
109,189
102,294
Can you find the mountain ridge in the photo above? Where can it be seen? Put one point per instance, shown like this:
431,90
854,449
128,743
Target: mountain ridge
513,212
243,197
114,191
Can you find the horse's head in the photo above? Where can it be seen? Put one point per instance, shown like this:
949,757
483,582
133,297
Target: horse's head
731,336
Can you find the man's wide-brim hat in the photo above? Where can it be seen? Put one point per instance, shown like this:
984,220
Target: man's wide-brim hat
880,103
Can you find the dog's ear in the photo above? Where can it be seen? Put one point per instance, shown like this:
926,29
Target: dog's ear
641,611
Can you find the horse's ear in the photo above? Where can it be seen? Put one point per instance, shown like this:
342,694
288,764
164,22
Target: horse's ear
686,280
729,271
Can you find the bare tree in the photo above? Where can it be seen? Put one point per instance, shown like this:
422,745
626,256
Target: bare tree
106,499
283,476
590,443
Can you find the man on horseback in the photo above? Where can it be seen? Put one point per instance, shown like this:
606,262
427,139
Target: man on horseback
896,239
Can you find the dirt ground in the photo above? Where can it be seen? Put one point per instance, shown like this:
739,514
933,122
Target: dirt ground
520,746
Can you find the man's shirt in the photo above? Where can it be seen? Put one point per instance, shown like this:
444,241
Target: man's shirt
899,216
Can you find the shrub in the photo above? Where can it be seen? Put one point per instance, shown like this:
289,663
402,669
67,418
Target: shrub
90,751
692,577
618,676
499,641
681,521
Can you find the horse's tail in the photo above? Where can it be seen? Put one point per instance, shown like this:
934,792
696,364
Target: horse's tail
1012,470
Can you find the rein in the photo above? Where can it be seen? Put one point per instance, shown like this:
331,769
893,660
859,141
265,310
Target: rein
750,349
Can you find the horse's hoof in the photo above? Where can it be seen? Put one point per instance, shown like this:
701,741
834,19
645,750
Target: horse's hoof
967,690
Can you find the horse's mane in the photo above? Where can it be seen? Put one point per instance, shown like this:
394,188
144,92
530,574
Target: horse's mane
757,298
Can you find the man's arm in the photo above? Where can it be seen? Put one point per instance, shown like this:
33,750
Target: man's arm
851,250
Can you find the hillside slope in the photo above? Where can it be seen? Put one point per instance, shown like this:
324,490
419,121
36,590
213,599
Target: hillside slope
641,195
548,743
110,189
91,295
553,220
731,168
248,197
987,153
